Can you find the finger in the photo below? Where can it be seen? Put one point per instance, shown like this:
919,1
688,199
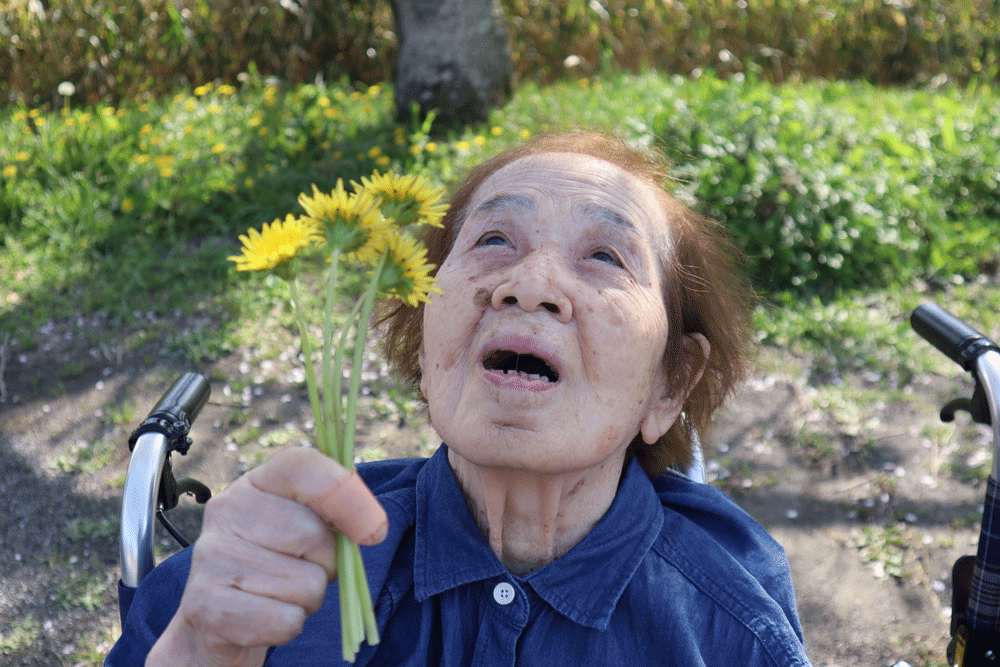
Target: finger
327,488
261,571
235,617
272,522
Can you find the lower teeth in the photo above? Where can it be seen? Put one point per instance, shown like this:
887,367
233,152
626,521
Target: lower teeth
529,376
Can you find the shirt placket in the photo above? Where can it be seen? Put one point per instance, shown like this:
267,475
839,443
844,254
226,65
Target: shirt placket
507,615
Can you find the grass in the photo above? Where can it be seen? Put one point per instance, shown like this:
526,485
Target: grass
128,213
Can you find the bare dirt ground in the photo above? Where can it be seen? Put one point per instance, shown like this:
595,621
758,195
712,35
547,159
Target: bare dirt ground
871,496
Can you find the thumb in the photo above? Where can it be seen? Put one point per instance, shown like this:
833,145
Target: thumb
337,495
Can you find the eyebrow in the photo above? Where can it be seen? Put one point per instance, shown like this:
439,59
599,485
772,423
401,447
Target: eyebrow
506,201
602,213
607,215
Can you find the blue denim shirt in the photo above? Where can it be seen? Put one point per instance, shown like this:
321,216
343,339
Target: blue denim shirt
673,574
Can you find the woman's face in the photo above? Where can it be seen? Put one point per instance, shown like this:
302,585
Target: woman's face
545,350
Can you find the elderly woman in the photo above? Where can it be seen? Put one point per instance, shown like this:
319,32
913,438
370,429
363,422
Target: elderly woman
588,326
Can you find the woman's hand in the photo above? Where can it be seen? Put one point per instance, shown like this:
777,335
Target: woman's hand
265,558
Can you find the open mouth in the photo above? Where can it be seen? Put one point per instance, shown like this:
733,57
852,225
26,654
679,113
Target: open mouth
528,366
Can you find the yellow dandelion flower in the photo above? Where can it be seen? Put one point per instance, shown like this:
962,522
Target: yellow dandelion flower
141,159
374,152
323,101
432,147
10,171
226,89
479,140
496,130
462,145
218,148
275,244
127,206
351,221
414,198
525,134
22,156
406,275
384,161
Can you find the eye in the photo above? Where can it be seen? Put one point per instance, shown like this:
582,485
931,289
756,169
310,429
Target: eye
492,239
606,256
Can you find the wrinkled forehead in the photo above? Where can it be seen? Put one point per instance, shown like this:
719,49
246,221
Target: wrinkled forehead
602,186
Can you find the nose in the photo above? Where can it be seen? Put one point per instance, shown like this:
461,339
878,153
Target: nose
535,284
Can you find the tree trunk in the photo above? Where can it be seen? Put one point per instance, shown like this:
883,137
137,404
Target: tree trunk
454,58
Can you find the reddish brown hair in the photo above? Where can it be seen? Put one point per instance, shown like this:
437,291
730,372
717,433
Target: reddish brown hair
704,290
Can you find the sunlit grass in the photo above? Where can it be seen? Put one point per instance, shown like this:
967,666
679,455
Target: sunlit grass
129,212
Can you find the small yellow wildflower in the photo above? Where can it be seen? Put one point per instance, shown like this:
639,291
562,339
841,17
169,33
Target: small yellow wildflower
108,111
203,89
226,89
324,101
274,245
525,134
462,145
415,199
407,274
10,171
218,148
480,140
352,221
127,206
496,130
374,152
383,161
432,147
141,159
21,156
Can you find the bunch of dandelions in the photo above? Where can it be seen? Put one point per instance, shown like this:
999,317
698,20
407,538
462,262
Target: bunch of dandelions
369,226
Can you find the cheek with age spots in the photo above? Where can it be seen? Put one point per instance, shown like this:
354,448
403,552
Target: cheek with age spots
481,298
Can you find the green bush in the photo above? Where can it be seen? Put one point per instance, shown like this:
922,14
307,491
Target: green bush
113,51
838,186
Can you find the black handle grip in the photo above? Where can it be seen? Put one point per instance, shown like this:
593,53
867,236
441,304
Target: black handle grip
185,398
175,411
956,339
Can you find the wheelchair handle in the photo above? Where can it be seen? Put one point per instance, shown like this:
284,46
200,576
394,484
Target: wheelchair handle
164,431
953,337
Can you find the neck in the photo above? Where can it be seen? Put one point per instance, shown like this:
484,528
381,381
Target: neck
531,518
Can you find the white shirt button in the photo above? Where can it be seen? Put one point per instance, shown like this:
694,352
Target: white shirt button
503,593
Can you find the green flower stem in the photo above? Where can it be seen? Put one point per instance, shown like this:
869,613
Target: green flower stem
331,394
365,598
361,337
350,628
307,351
340,454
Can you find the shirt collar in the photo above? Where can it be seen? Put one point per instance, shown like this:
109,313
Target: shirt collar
584,584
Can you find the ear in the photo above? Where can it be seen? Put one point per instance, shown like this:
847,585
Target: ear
665,410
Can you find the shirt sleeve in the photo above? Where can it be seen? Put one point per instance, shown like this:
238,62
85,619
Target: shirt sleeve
155,603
